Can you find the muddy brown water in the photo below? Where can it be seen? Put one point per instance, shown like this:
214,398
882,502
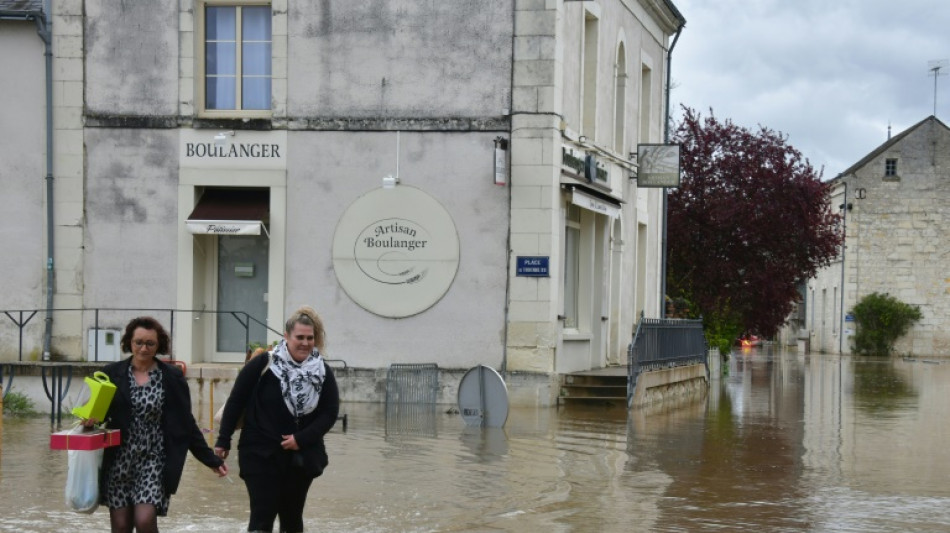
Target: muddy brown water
784,442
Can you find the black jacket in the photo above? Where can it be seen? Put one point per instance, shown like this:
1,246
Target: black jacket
256,395
179,428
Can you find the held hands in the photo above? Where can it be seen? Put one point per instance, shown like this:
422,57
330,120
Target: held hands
221,470
289,443
221,452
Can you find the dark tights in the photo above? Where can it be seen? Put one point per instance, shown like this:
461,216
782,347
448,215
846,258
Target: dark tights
142,516
277,494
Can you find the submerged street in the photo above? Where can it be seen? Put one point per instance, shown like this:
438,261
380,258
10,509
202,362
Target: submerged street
784,442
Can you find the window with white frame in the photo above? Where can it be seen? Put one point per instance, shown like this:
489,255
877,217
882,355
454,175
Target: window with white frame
572,251
235,60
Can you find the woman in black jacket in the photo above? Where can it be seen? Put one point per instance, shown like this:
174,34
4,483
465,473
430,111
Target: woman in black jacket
152,410
289,401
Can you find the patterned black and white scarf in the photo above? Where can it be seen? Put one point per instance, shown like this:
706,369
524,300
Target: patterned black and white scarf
300,383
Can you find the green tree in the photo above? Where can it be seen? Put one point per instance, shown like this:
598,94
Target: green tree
881,319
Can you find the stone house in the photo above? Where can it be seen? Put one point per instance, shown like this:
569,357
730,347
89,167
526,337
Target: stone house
896,207
449,182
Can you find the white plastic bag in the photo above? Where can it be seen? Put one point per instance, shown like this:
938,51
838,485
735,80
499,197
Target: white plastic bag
82,480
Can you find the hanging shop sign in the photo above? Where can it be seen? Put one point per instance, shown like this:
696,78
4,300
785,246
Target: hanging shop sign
658,165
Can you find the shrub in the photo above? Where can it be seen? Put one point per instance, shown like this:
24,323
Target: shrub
881,319
721,333
18,404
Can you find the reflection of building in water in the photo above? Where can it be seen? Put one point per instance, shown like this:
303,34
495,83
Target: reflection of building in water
862,415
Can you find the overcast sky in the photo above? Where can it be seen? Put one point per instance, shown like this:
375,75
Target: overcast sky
830,74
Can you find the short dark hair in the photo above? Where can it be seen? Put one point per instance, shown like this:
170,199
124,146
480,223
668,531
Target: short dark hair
146,322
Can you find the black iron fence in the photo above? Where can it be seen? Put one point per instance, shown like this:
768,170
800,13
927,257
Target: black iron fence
93,321
57,375
660,343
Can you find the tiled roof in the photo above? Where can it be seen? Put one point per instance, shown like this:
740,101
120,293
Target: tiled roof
25,6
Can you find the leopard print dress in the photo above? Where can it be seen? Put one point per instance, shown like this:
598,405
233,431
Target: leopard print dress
136,475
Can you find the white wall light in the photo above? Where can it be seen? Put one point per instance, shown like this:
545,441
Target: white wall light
221,138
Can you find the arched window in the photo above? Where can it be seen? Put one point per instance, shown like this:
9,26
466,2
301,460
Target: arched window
589,80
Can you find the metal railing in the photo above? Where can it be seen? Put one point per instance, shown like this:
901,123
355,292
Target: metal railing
22,317
411,394
57,375
660,343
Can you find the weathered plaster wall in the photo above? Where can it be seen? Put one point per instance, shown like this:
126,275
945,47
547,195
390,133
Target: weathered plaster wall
22,181
131,57
328,171
132,220
399,58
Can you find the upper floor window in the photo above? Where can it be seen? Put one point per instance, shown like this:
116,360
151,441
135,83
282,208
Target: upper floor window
589,67
236,72
890,167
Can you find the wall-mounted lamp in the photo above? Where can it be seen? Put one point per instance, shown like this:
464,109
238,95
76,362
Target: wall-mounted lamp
390,181
501,161
221,138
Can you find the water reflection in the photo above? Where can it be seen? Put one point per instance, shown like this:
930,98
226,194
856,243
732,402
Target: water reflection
782,443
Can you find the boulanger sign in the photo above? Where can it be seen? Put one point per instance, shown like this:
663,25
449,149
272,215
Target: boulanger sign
396,251
243,149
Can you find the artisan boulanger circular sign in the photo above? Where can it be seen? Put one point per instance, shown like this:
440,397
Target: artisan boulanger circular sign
396,251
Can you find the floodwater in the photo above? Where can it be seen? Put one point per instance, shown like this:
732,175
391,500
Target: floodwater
782,443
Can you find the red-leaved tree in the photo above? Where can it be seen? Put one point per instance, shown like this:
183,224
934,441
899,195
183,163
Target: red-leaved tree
749,222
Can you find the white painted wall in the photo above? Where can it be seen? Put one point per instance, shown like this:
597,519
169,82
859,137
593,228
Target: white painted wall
328,171
399,58
22,180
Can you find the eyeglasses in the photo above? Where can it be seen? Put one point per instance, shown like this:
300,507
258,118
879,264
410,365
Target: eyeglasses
144,344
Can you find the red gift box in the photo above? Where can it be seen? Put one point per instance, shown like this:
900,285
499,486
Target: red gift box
87,440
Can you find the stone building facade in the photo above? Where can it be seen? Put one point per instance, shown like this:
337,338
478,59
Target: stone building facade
449,182
896,206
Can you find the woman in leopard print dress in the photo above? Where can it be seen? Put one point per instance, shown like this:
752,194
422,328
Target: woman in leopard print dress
152,409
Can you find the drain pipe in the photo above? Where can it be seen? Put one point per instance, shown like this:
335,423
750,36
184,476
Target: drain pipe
666,139
44,28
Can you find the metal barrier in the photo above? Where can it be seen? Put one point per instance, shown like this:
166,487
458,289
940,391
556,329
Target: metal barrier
57,376
664,343
411,394
22,317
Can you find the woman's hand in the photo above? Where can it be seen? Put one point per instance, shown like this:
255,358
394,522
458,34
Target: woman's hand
221,470
221,452
289,442
88,422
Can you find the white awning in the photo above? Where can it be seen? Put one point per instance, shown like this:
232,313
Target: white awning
224,227
229,212
594,204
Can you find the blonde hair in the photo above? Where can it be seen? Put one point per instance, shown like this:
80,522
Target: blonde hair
307,316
